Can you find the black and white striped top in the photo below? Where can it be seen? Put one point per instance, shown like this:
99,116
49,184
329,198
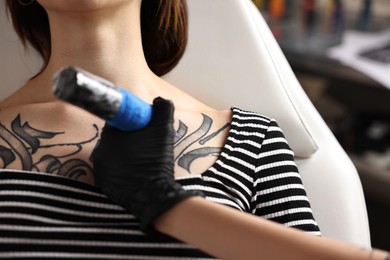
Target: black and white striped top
45,216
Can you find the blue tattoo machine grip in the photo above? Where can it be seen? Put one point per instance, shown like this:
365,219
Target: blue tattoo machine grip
102,98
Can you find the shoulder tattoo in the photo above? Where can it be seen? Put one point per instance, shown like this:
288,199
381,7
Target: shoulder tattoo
183,141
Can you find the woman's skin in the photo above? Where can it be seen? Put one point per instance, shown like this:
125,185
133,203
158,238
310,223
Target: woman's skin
104,38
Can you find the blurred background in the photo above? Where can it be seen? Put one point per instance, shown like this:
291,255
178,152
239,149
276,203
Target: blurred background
340,52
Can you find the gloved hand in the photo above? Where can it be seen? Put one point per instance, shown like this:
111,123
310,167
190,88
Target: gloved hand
135,169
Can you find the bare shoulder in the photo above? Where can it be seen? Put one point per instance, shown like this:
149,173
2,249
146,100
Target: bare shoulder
199,139
51,116
217,116
187,122
50,137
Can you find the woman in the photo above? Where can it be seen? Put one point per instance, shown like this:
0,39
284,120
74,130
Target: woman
131,43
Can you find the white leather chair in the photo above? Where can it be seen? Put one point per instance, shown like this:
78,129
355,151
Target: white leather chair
233,59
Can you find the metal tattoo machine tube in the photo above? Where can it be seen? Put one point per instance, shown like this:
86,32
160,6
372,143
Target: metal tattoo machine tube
102,98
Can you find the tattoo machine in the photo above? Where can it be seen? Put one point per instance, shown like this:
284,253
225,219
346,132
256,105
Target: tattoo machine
102,98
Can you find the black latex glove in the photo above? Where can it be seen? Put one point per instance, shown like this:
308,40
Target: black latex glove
135,169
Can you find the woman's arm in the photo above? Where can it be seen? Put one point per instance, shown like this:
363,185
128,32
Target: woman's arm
230,234
135,169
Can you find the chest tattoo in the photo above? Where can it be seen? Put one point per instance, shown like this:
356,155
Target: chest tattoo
23,142
185,156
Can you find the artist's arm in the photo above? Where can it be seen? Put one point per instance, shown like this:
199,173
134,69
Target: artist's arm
230,234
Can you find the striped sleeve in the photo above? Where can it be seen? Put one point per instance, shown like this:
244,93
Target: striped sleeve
279,194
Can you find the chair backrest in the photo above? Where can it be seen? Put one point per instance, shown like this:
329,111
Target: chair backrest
233,59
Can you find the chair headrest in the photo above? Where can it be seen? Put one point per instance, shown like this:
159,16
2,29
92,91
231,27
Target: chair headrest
232,59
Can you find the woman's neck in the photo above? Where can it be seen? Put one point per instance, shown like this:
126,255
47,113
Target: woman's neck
105,43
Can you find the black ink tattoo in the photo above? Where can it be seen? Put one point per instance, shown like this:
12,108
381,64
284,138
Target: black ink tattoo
23,141
211,136
186,142
187,158
180,132
182,143
30,135
6,155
